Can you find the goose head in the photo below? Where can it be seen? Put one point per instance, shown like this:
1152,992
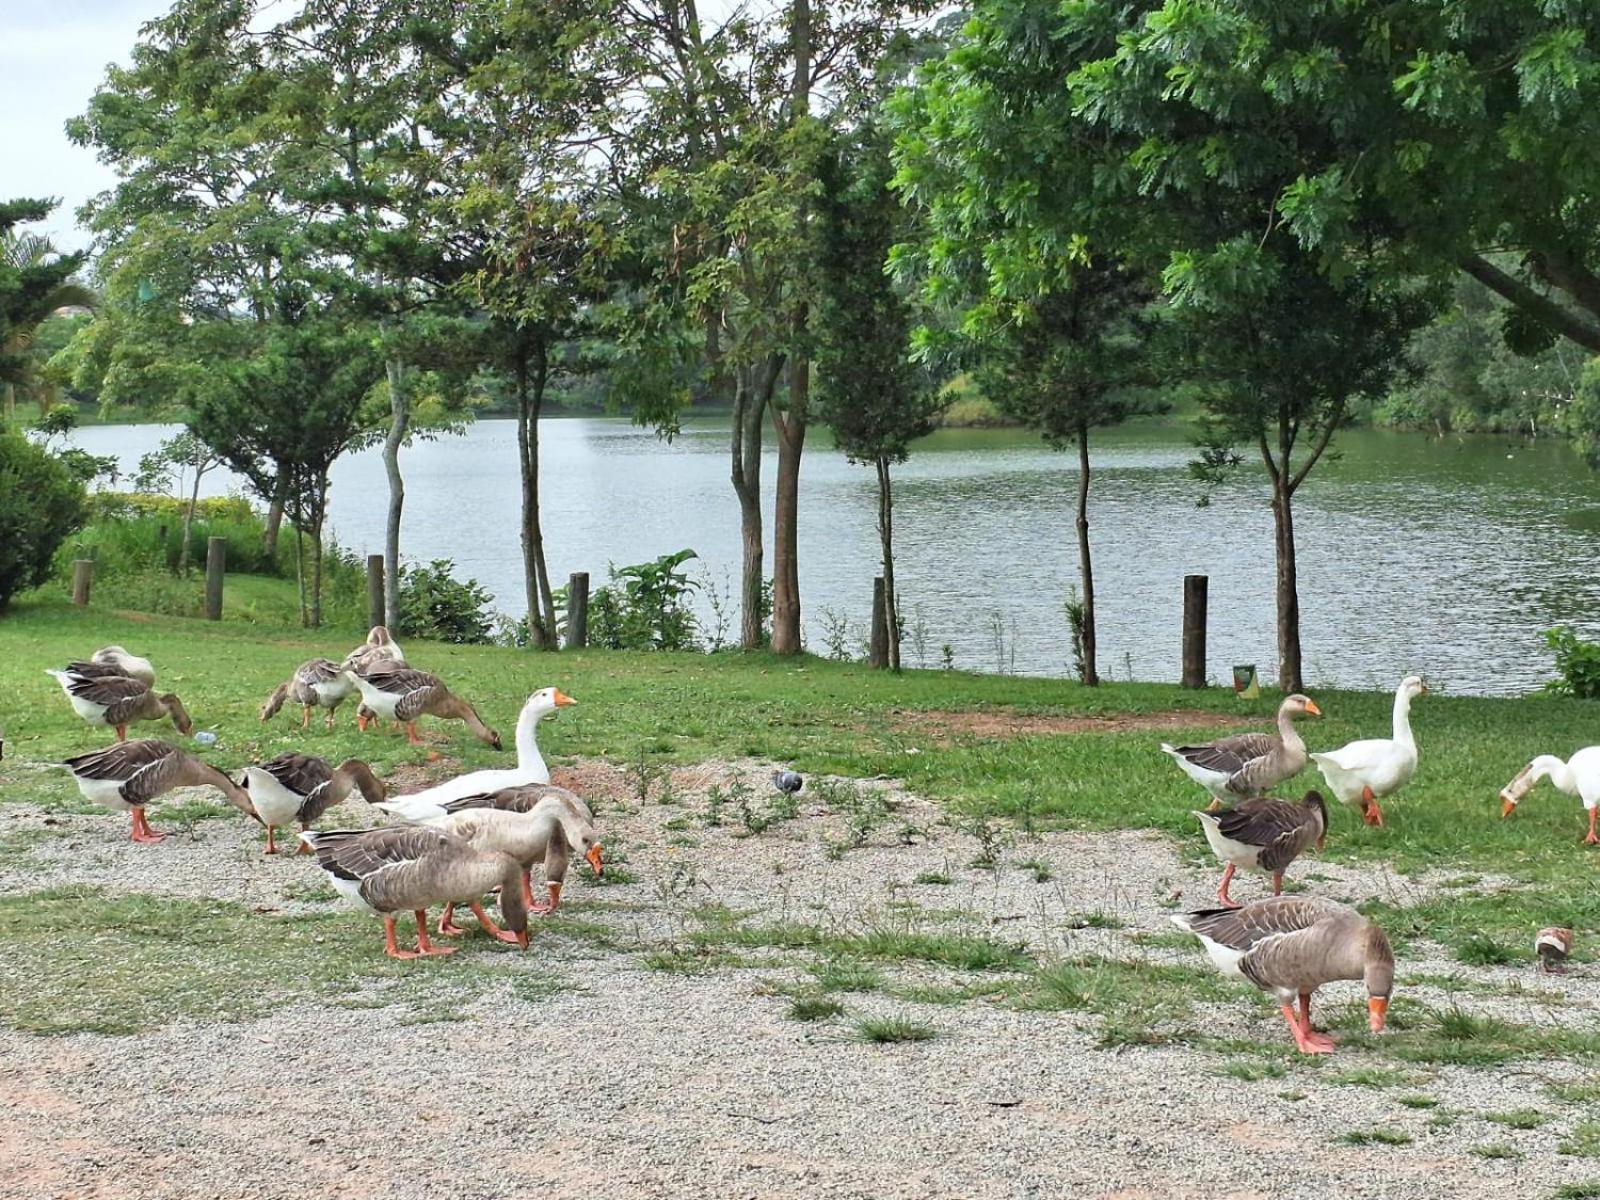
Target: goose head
1378,974
1412,686
1299,706
1511,795
546,701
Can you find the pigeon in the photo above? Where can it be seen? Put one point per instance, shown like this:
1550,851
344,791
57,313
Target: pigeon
1553,945
788,782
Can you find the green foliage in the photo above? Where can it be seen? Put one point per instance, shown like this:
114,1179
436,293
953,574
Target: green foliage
41,504
35,281
435,604
645,607
885,1031
1577,665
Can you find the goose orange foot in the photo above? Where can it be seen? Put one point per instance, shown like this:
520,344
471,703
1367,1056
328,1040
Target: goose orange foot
141,828
489,927
424,946
447,922
1370,812
1308,1042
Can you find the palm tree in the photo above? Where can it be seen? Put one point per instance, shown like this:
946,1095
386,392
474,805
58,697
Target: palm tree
32,256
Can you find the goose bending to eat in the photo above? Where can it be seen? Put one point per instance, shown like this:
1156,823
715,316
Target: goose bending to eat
530,766
124,663
1264,835
1362,772
301,787
379,650
1579,776
119,700
403,695
409,868
316,683
1291,946
1553,945
1249,764
128,775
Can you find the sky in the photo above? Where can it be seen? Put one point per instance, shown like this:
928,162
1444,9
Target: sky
53,54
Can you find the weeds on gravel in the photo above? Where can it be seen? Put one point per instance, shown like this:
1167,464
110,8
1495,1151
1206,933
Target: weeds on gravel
846,975
814,1008
643,774
937,878
1496,1150
1578,1091
887,1030
1418,1102
1521,1118
1583,1141
1372,1077
865,810
1480,951
1250,1072
1376,1137
1041,870
960,951
1588,1189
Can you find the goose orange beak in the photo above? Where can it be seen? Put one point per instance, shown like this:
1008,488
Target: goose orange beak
1507,806
1377,1009
595,860
1311,707
562,699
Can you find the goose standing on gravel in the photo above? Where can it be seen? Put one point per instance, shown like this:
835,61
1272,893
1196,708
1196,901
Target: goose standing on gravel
119,700
1264,835
409,868
1362,772
1249,764
530,768
1291,946
402,694
301,787
1579,776
129,775
316,683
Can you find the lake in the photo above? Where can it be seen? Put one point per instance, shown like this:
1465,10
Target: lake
1445,557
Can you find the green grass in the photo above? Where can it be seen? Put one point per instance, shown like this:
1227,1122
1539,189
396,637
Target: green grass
1418,1102
1376,1137
814,1008
1521,1118
1583,1140
888,1030
847,975
938,878
1588,1189
1249,1072
1497,1150
1479,951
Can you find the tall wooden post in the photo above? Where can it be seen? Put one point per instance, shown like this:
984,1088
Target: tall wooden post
82,576
878,646
578,610
216,553
374,589
1194,630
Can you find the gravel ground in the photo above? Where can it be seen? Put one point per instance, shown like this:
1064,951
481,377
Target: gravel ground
630,1081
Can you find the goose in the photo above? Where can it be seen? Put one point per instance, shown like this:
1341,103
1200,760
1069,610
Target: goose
119,700
1553,945
1264,835
1361,772
379,650
530,766
1249,764
530,824
301,787
1579,776
1292,945
127,664
407,868
129,775
318,682
402,694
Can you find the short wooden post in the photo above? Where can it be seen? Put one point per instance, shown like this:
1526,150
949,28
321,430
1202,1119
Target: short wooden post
82,576
216,554
1194,630
374,589
878,646
578,610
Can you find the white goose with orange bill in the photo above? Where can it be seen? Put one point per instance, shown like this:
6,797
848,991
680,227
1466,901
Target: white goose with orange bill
1361,773
1579,776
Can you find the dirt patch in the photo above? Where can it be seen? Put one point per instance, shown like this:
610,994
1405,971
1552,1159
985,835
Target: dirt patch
999,723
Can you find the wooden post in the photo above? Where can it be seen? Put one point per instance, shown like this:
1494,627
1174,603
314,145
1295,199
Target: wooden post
878,647
374,589
578,610
216,554
82,576
1194,630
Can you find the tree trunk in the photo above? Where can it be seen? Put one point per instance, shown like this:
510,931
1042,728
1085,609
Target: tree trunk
269,541
786,515
1091,673
316,552
752,392
300,566
399,426
11,402
188,521
536,577
1289,675
891,614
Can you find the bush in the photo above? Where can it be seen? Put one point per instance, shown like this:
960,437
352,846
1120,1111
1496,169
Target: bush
1577,664
126,541
645,607
434,604
40,505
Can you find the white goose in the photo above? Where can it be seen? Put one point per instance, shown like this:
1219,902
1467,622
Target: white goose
1361,772
530,766
1579,776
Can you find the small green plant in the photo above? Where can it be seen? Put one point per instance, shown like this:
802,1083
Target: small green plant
939,878
1040,869
435,604
1577,664
1521,1118
847,975
1075,611
1418,1102
991,837
1588,1189
814,1008
947,657
716,802
1252,1071
887,1030
835,634
1583,1141
1481,951
1502,1150
646,607
1376,1137
644,773
1577,1091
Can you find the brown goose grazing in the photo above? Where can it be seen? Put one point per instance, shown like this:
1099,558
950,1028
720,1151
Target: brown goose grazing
1291,946
404,695
124,663
301,787
1249,764
1553,945
1264,835
379,650
119,700
408,868
129,775
531,824
316,683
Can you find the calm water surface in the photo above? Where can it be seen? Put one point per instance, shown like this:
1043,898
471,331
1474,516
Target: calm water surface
1443,557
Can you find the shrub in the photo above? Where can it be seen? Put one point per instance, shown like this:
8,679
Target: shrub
40,504
435,604
645,607
1577,664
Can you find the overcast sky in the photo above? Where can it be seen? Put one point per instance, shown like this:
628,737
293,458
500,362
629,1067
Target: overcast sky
53,53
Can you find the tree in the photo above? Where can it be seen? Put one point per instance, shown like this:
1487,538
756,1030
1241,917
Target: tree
40,504
870,394
35,283
181,453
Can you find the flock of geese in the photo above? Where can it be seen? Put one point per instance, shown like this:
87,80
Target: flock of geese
476,834
1291,945
482,832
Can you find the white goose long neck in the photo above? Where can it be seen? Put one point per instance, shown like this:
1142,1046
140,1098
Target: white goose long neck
528,757
1402,718
1551,767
